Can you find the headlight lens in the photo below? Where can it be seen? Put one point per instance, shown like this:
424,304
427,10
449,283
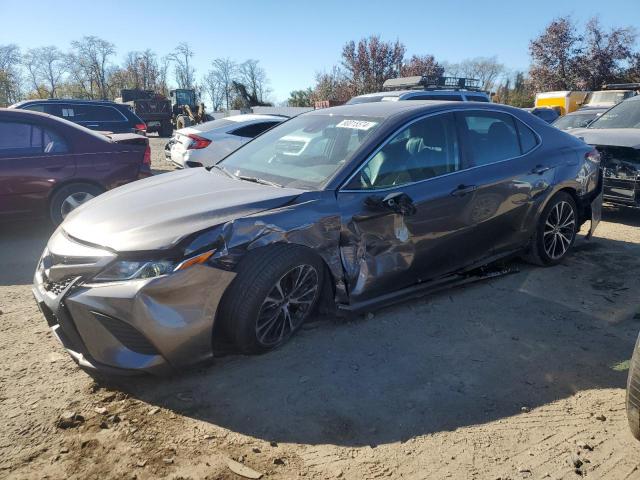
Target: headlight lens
133,270
130,270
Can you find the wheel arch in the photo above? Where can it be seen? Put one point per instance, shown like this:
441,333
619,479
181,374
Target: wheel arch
73,181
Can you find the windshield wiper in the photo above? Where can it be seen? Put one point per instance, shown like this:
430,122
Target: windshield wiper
224,170
262,181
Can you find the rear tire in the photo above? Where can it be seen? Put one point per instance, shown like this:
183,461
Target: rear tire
69,197
182,122
263,307
556,231
633,392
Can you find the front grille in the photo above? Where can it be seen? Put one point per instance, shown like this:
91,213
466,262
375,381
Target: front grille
126,334
57,287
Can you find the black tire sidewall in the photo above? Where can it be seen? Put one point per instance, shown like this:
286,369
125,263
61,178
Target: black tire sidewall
540,250
633,406
257,275
55,204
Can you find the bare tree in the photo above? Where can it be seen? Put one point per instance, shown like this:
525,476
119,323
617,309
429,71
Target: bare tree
89,64
554,56
9,74
604,54
225,71
333,85
46,67
183,70
422,65
163,72
485,69
254,78
370,62
214,90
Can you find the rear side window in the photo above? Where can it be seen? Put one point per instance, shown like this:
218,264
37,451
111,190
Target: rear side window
528,139
91,113
24,139
491,137
253,130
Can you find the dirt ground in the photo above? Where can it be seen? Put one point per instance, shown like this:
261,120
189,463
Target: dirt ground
518,377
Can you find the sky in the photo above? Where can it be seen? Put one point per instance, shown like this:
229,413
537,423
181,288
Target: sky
295,39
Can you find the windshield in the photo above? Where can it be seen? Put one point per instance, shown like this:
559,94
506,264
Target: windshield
304,152
184,97
574,121
608,98
624,115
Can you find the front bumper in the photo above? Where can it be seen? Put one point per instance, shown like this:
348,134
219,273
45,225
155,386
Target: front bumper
152,325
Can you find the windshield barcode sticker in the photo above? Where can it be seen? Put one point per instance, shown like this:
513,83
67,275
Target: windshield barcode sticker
356,124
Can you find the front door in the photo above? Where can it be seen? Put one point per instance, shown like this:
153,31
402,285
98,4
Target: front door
403,211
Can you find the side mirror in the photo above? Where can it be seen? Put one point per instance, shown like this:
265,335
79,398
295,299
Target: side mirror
396,202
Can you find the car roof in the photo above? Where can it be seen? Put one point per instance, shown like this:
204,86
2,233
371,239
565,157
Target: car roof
389,109
64,100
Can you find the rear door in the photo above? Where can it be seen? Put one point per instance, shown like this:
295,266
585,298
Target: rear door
32,160
509,177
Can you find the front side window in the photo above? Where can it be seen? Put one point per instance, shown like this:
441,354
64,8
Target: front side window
304,152
425,149
491,136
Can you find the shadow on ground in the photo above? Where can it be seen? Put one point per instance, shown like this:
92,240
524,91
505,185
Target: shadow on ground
21,245
467,356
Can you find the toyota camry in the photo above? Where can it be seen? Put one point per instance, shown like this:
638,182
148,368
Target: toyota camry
350,207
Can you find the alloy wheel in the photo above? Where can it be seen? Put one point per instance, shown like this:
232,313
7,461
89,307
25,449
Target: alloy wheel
73,201
287,305
559,230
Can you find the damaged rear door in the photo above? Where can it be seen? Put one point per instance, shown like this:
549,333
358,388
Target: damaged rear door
403,219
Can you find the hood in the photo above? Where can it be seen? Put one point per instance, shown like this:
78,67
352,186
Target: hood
157,212
618,137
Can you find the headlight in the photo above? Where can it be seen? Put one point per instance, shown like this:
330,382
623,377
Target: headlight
133,270
130,270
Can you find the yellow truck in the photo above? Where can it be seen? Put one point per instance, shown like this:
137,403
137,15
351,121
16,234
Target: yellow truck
563,102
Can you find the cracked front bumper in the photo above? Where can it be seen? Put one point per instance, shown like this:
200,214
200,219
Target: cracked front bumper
152,325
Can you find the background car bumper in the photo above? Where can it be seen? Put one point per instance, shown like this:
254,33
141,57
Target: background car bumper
152,326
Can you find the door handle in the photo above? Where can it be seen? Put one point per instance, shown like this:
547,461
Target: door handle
93,126
540,169
462,190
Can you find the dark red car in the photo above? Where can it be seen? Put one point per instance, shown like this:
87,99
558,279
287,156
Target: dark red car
49,166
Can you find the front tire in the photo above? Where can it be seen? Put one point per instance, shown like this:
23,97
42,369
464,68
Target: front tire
275,291
69,197
556,231
633,392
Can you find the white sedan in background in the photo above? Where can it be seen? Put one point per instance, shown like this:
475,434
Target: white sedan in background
205,144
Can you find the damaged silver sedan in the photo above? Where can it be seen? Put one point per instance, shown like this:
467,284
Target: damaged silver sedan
353,206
